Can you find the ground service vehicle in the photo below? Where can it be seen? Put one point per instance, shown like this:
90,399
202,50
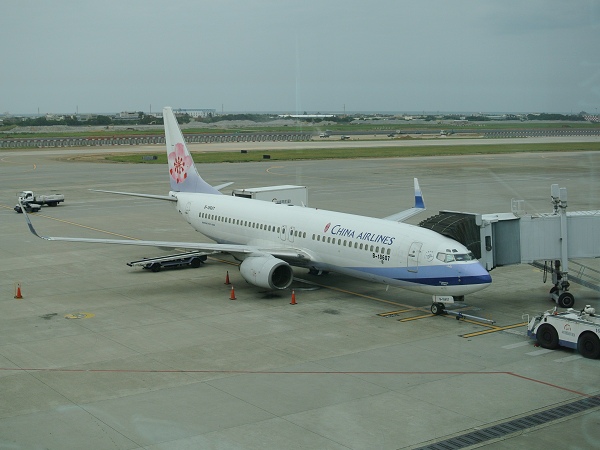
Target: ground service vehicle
34,202
191,259
286,194
573,329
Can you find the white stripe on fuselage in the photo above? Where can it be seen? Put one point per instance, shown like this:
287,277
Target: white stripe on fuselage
365,247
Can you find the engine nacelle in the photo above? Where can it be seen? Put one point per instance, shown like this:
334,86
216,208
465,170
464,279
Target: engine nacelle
267,271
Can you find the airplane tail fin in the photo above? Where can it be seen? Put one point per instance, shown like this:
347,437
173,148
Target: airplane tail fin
183,174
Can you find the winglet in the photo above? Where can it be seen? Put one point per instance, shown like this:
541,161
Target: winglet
419,202
418,208
29,224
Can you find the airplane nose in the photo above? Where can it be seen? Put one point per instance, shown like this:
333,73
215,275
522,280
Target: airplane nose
475,274
481,274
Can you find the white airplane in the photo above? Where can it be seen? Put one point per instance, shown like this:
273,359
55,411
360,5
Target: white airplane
269,238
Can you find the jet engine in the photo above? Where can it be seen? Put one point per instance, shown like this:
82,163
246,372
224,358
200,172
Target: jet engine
267,271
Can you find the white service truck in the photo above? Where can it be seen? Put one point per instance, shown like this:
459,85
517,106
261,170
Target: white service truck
286,194
578,330
33,203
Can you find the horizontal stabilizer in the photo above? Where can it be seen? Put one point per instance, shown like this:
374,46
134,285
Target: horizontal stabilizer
223,186
134,194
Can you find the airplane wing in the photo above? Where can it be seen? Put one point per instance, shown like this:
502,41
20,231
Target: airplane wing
418,208
285,253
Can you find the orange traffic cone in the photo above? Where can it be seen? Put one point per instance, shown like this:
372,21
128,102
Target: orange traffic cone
232,295
227,278
18,291
293,302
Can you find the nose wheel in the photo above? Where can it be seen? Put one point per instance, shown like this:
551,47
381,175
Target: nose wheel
437,308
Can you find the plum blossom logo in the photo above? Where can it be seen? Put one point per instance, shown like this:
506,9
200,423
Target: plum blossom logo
179,163
327,227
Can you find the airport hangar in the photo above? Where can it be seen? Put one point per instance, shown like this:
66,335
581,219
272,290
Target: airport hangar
167,360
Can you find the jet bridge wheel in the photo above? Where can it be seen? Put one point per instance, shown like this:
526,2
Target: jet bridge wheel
588,345
547,336
437,309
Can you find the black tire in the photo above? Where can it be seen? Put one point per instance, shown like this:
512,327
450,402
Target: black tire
566,300
547,336
195,263
588,345
155,267
437,309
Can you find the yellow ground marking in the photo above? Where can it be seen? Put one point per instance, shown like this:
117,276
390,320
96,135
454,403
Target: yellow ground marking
356,294
85,226
400,311
80,315
408,319
494,329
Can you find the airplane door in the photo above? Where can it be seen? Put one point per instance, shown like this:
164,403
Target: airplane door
287,233
283,233
413,257
186,213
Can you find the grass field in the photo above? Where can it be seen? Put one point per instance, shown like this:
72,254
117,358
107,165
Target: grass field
349,153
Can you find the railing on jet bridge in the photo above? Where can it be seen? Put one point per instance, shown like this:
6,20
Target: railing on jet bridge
578,273
584,275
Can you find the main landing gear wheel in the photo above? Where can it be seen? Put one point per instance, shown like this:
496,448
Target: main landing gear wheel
566,300
437,309
547,336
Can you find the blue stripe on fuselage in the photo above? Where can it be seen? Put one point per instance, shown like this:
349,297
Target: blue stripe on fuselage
457,275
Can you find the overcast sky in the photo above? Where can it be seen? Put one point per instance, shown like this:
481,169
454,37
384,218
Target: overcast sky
300,55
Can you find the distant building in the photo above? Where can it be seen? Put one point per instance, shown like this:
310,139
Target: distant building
306,116
54,117
128,115
196,112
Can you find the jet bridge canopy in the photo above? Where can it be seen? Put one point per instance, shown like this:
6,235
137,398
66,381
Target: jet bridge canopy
505,238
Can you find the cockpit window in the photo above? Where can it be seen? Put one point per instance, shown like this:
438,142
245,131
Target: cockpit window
451,257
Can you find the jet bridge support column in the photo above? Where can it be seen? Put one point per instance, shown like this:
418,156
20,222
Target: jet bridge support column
560,275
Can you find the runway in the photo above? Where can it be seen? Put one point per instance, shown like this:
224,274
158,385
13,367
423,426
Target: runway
356,141
167,360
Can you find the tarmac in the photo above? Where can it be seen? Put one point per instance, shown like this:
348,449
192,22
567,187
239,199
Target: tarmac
99,355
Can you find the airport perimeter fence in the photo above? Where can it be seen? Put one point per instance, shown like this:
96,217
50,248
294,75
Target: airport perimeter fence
150,140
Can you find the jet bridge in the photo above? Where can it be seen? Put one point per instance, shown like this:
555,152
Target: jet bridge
548,241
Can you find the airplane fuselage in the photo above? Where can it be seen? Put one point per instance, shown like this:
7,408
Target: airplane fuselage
369,248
